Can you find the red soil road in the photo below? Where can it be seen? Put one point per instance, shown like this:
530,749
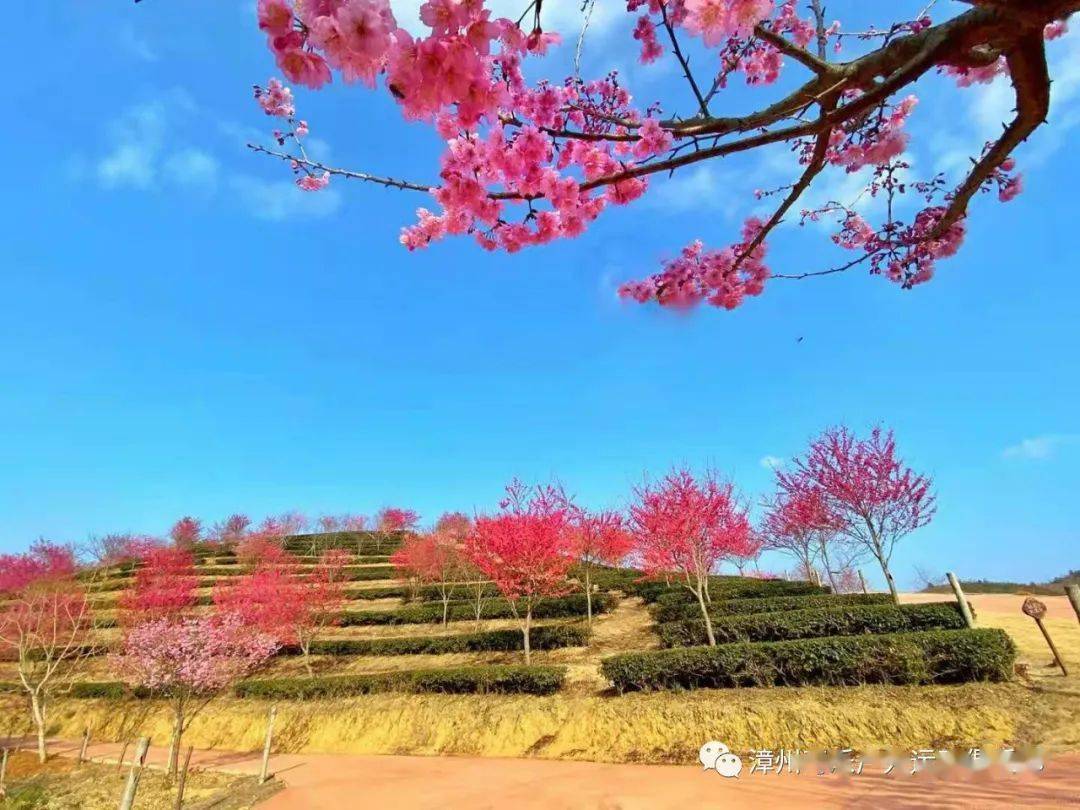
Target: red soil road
453,783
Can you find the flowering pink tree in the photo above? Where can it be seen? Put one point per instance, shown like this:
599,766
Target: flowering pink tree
191,661
292,604
877,499
749,556
45,625
164,587
186,532
431,559
395,519
684,527
525,163
455,525
525,549
800,522
597,538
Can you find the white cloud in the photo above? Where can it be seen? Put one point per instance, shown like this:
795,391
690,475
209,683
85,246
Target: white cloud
702,186
1040,447
148,151
136,45
193,169
771,462
278,200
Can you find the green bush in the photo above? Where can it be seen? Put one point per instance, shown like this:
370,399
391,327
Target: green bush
356,542
100,689
727,588
527,680
428,613
350,573
815,623
548,637
666,609
934,656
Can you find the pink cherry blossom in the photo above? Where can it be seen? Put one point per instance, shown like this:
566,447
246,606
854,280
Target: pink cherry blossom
313,182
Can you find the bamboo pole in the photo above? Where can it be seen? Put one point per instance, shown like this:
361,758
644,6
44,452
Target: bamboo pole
965,608
128,799
123,753
1073,592
862,581
1053,648
183,779
264,774
85,742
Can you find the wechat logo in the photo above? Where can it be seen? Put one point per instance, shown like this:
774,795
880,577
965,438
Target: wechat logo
716,756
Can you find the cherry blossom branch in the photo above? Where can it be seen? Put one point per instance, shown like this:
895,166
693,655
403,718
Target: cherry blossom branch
789,48
702,104
352,175
1031,81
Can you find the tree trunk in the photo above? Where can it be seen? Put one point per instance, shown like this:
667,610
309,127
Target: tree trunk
37,708
588,595
177,733
445,609
699,593
888,578
525,632
828,567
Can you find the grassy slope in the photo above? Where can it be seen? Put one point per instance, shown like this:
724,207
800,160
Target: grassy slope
585,723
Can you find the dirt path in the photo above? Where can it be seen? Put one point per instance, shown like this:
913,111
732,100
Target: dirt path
336,780
1057,607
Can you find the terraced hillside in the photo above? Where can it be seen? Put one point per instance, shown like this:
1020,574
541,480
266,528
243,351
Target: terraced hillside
390,676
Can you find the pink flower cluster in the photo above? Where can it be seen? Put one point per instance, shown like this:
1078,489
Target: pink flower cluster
716,20
313,182
878,138
276,99
968,75
645,33
719,277
199,656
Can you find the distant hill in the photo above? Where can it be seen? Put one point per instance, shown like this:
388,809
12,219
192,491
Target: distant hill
1055,587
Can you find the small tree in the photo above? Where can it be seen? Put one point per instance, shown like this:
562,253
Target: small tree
45,626
190,662
186,532
525,549
165,584
599,538
394,519
799,522
876,497
684,527
431,559
291,604
454,525
232,529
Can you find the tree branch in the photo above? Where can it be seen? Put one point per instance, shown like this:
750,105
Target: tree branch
704,107
314,164
789,48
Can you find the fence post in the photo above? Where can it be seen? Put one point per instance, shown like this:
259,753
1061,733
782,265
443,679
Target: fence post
264,774
3,772
128,799
183,779
1036,610
965,609
862,581
1074,596
85,742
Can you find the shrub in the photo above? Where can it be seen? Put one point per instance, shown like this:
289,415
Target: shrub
573,605
526,680
816,623
547,637
727,588
356,542
934,656
666,609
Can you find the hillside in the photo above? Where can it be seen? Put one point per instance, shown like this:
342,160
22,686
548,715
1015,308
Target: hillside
1054,587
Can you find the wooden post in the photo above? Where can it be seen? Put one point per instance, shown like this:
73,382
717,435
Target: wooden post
183,779
965,609
862,581
128,799
3,773
1036,610
264,774
85,742
1073,592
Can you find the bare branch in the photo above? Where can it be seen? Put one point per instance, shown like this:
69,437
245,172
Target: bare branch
702,104
314,164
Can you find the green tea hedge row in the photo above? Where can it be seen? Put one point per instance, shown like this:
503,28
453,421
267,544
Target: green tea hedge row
430,612
727,588
525,680
672,610
356,542
934,656
851,620
547,637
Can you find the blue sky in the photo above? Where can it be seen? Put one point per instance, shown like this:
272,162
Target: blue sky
186,333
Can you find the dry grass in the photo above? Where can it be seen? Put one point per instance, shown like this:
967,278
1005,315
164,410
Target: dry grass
59,785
